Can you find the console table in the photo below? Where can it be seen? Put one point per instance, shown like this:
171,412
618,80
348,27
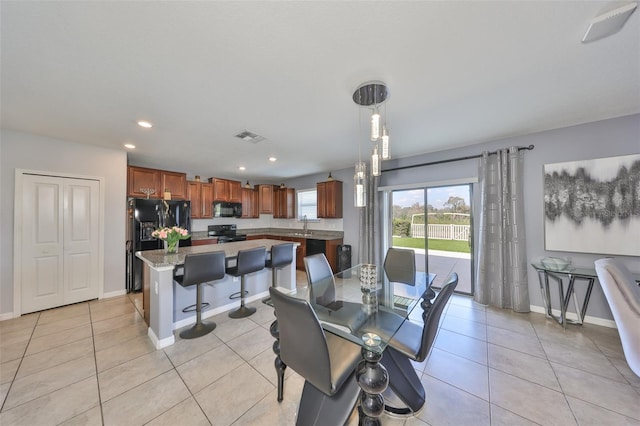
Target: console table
573,275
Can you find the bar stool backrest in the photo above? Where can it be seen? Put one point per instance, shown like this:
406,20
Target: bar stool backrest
281,255
202,268
251,260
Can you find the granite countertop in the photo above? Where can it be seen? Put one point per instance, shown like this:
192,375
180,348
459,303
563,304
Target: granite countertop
280,232
158,258
295,233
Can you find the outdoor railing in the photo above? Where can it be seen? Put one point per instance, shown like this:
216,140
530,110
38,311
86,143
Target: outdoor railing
442,232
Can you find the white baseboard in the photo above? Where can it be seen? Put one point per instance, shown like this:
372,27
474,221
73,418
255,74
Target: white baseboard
114,294
220,309
6,316
159,344
573,316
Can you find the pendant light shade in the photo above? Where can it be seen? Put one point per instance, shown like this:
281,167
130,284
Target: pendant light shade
360,185
375,126
375,162
385,144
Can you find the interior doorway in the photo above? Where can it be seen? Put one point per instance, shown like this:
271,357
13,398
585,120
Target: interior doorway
436,223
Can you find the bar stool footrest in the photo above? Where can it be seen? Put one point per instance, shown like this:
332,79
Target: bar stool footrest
238,294
192,308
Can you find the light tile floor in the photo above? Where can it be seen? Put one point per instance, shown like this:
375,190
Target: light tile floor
92,363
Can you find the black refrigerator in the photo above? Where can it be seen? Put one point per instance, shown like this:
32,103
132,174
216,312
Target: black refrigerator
144,217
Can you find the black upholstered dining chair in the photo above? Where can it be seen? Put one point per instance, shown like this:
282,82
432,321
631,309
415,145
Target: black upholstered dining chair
400,265
199,269
413,342
326,362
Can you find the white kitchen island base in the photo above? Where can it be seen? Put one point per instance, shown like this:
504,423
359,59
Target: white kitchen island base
167,299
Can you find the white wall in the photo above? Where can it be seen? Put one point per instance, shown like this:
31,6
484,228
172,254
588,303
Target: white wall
26,151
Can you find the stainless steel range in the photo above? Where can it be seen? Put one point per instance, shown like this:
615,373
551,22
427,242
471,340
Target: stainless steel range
225,233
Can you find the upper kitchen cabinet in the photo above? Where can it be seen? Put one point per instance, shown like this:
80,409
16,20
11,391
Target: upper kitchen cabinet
284,203
139,178
201,196
265,199
175,183
329,199
249,203
158,181
226,190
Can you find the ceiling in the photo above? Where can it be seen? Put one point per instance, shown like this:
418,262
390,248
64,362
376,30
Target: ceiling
458,73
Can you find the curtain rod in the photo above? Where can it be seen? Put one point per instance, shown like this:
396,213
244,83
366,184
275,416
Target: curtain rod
520,148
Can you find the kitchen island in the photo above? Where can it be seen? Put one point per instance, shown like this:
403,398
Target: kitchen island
167,299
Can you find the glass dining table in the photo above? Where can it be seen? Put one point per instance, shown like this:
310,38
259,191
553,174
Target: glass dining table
363,298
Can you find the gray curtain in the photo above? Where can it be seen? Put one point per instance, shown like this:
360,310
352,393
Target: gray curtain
502,261
370,232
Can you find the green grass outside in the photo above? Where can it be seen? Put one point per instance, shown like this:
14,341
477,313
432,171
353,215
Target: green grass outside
444,245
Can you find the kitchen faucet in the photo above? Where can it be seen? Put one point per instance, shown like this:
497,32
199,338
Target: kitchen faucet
305,223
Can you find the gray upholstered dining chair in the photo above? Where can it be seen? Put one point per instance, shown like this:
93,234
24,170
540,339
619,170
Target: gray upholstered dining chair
400,265
623,296
413,342
322,294
326,362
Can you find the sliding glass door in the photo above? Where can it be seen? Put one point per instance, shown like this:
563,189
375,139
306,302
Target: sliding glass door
436,223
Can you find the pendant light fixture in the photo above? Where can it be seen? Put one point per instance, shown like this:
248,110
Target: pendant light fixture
371,95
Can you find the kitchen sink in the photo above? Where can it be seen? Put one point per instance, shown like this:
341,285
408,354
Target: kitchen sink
302,234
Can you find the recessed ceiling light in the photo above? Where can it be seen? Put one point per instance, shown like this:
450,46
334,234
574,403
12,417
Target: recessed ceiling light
145,124
129,146
272,159
242,168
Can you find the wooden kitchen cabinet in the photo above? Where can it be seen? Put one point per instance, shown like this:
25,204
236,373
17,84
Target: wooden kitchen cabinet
265,199
329,199
331,252
158,180
235,191
226,190
175,183
201,196
249,203
141,177
204,242
284,203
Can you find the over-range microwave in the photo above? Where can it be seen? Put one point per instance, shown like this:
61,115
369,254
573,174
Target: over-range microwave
225,209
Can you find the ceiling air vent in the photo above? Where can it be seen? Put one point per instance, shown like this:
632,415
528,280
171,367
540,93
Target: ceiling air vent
248,136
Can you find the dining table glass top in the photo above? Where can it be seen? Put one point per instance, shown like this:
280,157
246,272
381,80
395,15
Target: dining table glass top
363,306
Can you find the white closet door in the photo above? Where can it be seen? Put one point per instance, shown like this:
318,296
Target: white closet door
59,241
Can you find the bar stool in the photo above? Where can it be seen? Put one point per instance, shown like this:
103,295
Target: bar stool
248,261
199,269
281,256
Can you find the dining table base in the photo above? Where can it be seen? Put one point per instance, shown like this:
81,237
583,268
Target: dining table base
373,380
